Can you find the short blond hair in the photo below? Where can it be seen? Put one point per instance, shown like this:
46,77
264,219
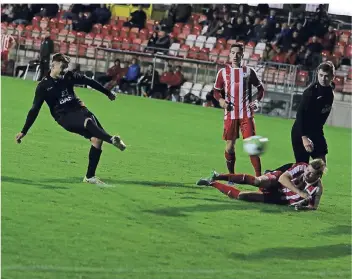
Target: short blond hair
319,166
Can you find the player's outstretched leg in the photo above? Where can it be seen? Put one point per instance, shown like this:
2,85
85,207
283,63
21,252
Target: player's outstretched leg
229,191
100,133
239,179
94,157
255,160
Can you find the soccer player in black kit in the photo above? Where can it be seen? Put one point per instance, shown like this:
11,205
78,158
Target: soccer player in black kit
307,133
56,89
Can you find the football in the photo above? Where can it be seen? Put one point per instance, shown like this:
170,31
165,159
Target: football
255,145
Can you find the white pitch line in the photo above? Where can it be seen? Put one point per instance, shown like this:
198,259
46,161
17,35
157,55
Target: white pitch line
170,271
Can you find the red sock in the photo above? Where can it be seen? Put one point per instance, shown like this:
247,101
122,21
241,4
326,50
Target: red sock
237,178
230,161
232,192
255,160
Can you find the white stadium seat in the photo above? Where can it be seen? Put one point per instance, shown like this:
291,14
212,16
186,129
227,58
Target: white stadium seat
197,89
191,39
210,43
200,41
174,49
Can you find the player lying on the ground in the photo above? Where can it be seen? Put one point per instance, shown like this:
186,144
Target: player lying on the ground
56,89
299,186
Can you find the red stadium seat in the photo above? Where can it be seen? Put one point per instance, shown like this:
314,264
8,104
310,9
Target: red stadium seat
204,54
107,41
144,34
63,47
126,44
61,24
197,29
187,29
54,33
36,32
53,23
347,87
36,21
338,83
269,75
120,23
340,47
62,35
71,36
89,39
193,52
348,51
73,49
124,32
223,56
28,31
182,38
106,30
213,55
344,35
136,44
115,31
82,50
349,76
80,37
98,40
302,78
97,28
255,57
113,21
116,43
183,51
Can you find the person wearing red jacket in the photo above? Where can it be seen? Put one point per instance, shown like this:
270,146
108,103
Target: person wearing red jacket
113,73
171,81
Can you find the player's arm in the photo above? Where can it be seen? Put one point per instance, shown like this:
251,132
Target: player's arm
84,80
33,112
285,180
302,114
256,82
218,87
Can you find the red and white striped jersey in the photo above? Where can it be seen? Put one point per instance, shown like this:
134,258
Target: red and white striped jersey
237,84
297,172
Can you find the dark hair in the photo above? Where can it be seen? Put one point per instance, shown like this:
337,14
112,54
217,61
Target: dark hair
327,67
59,57
117,60
240,46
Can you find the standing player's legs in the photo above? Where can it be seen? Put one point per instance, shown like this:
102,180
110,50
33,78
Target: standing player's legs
248,130
94,156
231,133
320,147
300,153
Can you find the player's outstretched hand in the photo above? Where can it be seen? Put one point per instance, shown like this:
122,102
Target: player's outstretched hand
304,195
254,105
112,96
308,144
19,137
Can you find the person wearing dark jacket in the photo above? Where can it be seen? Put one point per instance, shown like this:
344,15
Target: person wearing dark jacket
307,133
138,19
46,49
147,80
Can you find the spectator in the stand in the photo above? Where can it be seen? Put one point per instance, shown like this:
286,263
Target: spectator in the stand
21,14
49,10
170,82
263,32
46,49
225,10
263,9
7,13
291,41
32,66
300,55
249,29
285,31
111,73
290,57
271,25
145,82
102,14
214,26
209,14
268,53
251,15
239,30
225,30
131,76
138,19
167,23
182,13
163,42
279,57
329,39
84,23
256,30
311,61
242,10
152,40
315,46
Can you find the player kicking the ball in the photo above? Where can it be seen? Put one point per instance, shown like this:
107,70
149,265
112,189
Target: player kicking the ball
56,89
237,82
299,186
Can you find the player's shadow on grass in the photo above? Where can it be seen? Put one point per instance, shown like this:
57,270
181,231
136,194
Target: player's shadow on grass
117,182
31,182
338,230
225,205
299,254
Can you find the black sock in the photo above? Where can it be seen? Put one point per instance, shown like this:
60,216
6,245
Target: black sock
285,167
97,132
94,157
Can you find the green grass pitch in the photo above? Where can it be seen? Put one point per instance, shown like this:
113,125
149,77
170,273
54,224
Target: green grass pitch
156,224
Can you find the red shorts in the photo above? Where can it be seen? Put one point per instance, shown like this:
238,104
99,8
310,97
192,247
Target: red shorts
272,181
232,128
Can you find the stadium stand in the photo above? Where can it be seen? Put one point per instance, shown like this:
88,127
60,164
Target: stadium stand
78,30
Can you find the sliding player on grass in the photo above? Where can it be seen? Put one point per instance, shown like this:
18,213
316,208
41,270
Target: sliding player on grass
299,186
57,90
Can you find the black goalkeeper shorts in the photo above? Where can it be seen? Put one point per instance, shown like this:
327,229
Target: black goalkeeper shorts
301,155
73,122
